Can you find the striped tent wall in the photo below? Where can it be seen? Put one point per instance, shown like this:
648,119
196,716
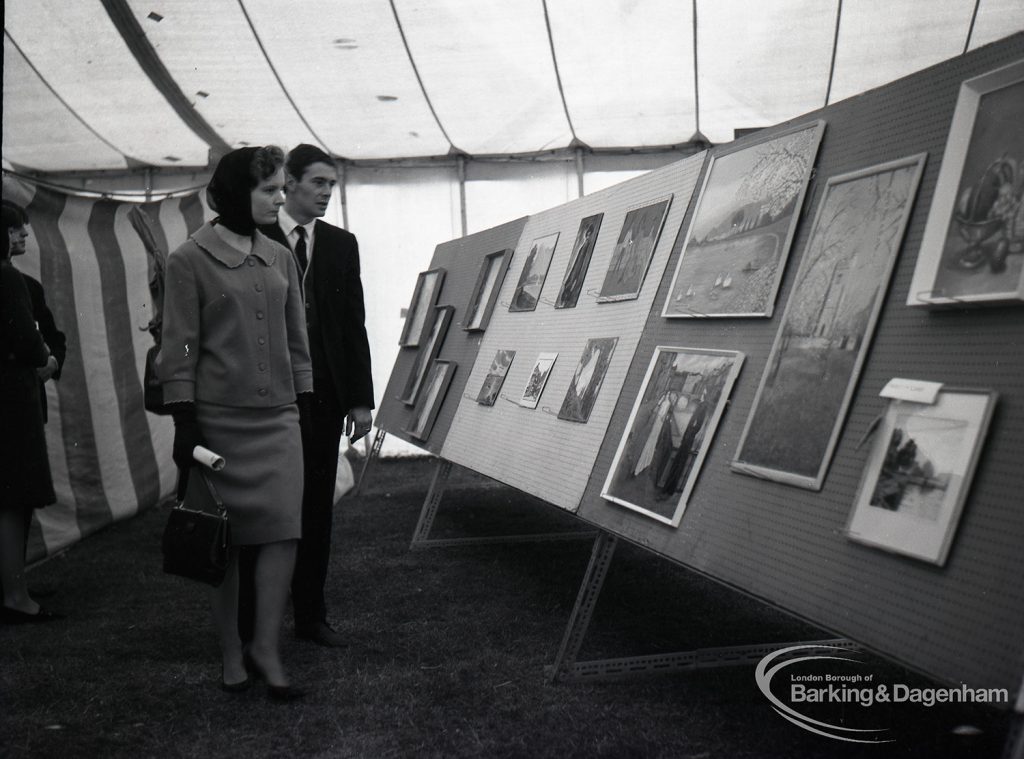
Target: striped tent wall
109,458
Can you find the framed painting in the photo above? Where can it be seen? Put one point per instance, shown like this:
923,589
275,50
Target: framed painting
972,252
495,377
918,472
485,292
823,339
670,430
742,226
538,379
579,262
424,297
435,388
427,353
587,379
535,271
633,252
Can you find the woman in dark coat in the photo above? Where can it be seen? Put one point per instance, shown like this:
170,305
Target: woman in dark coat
25,482
234,366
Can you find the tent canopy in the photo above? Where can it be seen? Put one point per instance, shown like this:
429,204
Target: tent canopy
117,84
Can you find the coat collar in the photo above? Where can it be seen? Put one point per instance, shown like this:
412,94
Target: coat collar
206,237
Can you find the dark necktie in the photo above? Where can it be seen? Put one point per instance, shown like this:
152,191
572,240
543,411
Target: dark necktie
300,250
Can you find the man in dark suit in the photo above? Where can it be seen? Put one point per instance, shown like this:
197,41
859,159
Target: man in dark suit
328,258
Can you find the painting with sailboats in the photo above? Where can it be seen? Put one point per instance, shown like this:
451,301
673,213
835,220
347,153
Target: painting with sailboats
742,227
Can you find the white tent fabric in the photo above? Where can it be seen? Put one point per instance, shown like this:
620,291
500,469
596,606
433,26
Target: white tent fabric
111,84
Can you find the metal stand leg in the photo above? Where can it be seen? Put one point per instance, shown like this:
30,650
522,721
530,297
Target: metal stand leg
431,502
586,600
374,452
566,667
1013,748
420,539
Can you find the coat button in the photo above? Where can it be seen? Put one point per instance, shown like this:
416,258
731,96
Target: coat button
259,314
261,340
262,391
261,366
259,288
250,262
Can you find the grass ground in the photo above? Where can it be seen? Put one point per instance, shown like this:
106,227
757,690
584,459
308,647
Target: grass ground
447,658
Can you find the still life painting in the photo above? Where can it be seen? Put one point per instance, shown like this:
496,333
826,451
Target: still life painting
972,252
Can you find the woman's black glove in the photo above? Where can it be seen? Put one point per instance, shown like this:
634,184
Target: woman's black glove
305,403
186,434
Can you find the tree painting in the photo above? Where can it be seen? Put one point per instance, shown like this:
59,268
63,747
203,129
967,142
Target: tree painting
822,342
742,228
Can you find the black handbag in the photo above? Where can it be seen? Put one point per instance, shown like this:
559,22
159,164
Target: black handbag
197,536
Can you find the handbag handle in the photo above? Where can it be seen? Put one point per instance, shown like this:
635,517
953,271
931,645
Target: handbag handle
221,508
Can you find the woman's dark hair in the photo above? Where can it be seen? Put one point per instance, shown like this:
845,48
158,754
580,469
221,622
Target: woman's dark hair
18,211
301,157
237,174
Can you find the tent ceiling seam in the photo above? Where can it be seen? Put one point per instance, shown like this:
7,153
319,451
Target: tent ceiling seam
419,79
696,84
280,82
835,48
138,43
558,75
67,105
970,29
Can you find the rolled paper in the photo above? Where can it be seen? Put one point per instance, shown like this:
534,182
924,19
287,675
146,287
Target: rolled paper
206,457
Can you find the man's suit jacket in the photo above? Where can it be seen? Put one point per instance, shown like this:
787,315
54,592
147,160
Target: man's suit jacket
335,316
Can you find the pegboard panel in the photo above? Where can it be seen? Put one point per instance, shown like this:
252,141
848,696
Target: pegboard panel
530,448
786,545
461,259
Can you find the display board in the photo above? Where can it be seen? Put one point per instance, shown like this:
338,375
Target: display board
547,444
461,261
787,545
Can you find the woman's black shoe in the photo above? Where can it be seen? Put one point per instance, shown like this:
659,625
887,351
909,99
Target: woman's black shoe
284,693
17,617
279,693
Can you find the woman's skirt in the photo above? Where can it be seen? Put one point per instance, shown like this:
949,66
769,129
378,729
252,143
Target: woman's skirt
261,482
25,481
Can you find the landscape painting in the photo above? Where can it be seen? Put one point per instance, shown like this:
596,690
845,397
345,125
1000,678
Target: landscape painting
916,478
972,252
495,377
670,430
485,292
587,379
537,380
579,262
823,339
427,353
435,388
428,287
535,271
633,251
742,228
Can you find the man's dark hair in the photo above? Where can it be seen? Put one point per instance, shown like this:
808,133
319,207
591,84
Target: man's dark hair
301,157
